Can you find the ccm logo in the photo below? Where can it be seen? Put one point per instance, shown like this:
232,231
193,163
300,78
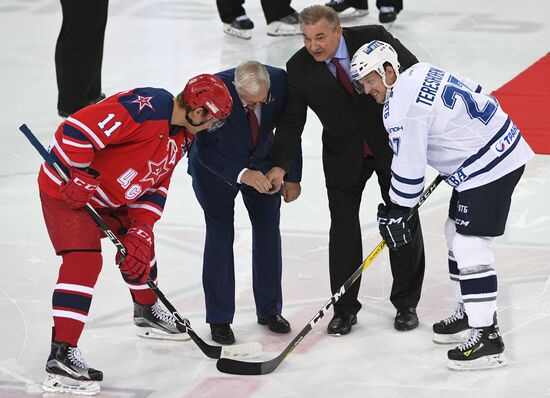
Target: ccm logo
141,233
84,184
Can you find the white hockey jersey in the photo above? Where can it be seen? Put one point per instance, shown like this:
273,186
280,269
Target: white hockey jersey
437,119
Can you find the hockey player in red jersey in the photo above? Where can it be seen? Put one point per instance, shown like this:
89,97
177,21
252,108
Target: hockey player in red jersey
120,155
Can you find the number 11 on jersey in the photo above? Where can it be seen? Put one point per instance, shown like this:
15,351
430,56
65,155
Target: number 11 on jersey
103,124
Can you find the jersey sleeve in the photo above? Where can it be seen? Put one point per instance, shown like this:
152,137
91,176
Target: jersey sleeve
408,139
90,130
115,120
69,148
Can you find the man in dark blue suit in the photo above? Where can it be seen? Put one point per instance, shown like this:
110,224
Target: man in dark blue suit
234,159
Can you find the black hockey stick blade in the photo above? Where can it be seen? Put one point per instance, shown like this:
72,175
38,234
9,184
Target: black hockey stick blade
237,367
245,368
248,350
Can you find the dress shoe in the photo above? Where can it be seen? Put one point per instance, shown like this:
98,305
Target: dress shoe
340,324
406,319
276,323
387,15
222,333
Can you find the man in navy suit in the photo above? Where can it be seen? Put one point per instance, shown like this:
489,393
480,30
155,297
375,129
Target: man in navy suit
234,159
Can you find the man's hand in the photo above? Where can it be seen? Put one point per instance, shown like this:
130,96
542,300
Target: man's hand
78,191
257,180
392,223
291,191
138,242
275,177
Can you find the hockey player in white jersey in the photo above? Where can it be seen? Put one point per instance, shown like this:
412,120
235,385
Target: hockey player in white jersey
436,118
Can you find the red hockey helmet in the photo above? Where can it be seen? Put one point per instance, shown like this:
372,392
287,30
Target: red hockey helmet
210,92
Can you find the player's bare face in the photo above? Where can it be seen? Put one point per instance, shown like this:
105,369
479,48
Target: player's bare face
372,84
321,39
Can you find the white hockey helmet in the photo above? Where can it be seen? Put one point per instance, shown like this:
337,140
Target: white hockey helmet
372,57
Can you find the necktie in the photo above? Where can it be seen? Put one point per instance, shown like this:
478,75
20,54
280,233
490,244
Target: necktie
254,126
342,76
343,79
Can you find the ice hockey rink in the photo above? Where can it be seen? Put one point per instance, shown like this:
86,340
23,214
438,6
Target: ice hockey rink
162,44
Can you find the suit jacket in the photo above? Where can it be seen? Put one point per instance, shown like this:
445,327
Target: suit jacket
347,120
228,150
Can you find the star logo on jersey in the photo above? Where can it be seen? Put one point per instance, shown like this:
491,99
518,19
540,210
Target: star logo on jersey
143,102
156,171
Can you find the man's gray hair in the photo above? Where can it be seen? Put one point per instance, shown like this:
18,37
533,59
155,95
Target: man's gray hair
313,14
251,77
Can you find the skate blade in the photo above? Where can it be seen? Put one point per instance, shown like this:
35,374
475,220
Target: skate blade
282,34
456,338
155,334
245,34
276,29
57,383
241,351
351,13
487,362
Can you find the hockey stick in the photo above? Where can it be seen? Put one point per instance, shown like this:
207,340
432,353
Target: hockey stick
215,352
261,368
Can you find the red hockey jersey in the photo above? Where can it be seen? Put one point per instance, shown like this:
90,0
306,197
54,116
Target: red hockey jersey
127,138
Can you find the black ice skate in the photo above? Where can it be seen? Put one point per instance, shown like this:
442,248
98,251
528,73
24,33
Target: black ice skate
345,10
483,350
154,322
241,27
68,372
453,329
387,15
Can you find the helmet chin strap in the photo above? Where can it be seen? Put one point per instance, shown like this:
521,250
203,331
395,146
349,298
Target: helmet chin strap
216,125
388,86
190,121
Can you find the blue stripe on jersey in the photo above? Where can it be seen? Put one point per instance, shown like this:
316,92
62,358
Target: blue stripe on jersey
460,176
410,181
487,146
60,163
406,195
154,197
74,301
496,160
478,89
72,132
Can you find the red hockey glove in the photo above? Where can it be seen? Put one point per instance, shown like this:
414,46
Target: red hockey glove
78,191
138,241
